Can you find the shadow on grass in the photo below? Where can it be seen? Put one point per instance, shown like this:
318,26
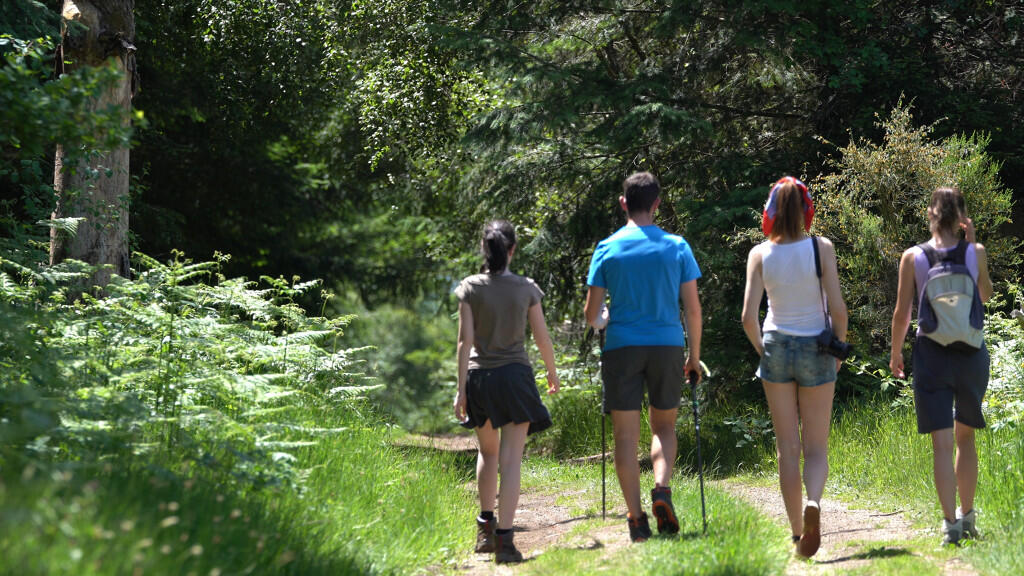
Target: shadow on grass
872,554
119,522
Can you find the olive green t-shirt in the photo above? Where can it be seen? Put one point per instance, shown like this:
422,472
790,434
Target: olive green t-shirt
499,303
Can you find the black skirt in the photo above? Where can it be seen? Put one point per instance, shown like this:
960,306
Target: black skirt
505,394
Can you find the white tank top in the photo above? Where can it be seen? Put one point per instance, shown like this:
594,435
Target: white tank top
794,293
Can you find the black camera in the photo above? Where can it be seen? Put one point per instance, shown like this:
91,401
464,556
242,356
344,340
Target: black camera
829,344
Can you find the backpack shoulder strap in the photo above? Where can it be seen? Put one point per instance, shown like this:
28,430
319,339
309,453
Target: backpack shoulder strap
929,253
958,255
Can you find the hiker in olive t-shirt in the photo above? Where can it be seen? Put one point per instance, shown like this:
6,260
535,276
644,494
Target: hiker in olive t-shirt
497,389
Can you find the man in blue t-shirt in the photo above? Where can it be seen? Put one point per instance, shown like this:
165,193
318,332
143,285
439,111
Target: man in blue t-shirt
645,272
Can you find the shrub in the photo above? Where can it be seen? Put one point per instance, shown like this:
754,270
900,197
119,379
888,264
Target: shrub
874,205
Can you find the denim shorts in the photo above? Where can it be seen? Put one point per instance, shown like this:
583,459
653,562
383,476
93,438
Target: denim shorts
795,358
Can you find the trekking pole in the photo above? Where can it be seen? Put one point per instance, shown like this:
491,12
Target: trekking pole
700,464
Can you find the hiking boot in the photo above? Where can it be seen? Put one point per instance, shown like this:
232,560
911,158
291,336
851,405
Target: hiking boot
484,535
810,540
661,506
639,528
505,551
967,522
952,532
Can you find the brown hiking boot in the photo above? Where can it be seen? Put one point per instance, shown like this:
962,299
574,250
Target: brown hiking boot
485,535
505,549
639,528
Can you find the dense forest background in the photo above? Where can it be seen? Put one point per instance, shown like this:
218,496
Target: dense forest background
307,183
365,143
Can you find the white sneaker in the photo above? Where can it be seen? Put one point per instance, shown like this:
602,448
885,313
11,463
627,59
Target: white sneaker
967,521
951,533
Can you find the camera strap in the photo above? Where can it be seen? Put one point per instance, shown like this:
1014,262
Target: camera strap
821,289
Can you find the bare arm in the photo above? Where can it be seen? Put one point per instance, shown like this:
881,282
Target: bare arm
984,281
901,315
752,294
592,307
535,315
465,343
694,325
830,280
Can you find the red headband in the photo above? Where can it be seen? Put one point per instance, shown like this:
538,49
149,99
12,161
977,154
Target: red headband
771,207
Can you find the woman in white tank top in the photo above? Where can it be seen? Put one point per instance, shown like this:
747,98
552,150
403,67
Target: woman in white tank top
798,380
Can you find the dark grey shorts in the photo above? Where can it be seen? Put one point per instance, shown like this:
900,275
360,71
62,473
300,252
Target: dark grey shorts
505,394
945,380
627,371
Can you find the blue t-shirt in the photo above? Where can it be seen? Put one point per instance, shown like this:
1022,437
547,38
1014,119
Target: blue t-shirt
642,268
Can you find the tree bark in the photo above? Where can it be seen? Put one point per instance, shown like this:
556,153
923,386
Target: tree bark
96,188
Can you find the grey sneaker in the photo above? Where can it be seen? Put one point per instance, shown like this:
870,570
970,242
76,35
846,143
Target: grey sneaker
952,533
967,521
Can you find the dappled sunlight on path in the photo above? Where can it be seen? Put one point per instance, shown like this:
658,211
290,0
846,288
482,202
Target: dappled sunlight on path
851,538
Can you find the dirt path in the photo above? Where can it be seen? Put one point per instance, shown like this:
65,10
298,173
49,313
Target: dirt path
540,521
850,538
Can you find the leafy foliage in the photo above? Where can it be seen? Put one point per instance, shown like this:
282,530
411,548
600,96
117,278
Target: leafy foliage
165,365
873,206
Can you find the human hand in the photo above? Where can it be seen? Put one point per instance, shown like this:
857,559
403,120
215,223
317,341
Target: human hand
693,365
602,318
839,364
460,406
896,364
554,385
967,225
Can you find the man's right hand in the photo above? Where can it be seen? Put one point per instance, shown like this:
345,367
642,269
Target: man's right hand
693,365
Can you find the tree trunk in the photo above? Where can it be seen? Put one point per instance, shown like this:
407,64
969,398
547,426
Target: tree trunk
96,189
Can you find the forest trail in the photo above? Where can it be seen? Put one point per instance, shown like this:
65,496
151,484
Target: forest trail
852,538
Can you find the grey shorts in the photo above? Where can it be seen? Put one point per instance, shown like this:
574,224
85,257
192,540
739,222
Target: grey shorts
627,371
795,359
946,381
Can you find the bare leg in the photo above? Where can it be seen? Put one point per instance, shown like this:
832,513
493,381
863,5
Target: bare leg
815,407
487,466
513,439
663,444
966,465
782,403
626,430
945,478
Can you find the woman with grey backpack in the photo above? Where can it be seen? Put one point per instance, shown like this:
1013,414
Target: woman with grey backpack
948,277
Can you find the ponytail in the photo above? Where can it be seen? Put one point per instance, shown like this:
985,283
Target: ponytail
499,238
947,208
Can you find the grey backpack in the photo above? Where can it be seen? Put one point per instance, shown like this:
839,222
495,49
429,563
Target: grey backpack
950,311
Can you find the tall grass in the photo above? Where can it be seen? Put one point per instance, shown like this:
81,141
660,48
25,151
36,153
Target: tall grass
876,454
365,507
187,423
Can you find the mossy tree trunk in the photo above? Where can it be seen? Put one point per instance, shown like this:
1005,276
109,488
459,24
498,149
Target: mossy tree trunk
96,187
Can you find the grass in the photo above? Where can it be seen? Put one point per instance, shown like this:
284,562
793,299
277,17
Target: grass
878,458
725,549
365,508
